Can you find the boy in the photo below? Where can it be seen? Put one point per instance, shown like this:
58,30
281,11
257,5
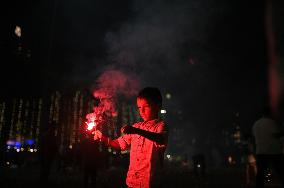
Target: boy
147,139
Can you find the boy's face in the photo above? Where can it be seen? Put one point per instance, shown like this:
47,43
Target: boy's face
148,111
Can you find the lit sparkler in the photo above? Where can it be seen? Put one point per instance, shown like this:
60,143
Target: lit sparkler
91,123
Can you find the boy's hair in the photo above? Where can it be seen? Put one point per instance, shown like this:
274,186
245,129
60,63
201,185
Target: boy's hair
151,94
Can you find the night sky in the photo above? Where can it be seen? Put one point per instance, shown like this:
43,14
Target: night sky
209,55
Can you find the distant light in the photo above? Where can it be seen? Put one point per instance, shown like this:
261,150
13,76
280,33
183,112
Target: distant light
18,144
35,150
114,152
8,147
109,149
191,61
18,150
230,159
168,156
18,31
10,142
163,111
29,142
70,146
168,96
31,150
7,162
22,149
124,152
198,165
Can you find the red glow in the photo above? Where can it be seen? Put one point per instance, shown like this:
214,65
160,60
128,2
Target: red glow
191,61
110,84
92,121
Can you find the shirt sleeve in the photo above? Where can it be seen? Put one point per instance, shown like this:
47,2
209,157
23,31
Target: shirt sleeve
162,129
124,141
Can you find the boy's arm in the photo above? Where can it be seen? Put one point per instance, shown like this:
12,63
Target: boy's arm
107,141
156,137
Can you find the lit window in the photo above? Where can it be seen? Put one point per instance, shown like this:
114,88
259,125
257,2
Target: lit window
18,31
168,96
163,111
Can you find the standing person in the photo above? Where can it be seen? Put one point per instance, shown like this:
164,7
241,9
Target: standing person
90,160
147,141
250,162
266,132
49,150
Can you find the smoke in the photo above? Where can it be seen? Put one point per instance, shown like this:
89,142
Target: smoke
109,86
160,37
113,82
157,43
164,43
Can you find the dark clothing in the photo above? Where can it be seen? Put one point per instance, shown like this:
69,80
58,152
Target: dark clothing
49,148
90,160
263,162
198,164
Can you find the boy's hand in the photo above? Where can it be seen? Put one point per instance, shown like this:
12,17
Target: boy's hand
98,135
128,129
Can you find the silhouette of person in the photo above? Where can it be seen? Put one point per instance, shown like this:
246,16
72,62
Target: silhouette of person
250,162
268,147
90,160
198,165
48,151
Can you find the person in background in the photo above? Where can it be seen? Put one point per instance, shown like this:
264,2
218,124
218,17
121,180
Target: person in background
49,151
269,148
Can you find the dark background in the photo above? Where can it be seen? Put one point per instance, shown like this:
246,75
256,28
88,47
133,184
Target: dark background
210,56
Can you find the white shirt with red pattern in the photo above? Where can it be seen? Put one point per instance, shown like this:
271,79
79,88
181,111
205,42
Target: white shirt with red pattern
146,156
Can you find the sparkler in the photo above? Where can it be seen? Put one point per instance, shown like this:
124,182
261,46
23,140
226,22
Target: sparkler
92,122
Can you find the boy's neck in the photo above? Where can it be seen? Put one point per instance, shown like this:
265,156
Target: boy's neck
152,119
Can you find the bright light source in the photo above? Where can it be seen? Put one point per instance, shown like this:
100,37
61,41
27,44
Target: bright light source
31,150
18,150
168,156
230,159
124,152
22,149
35,150
163,111
109,149
168,96
18,31
7,162
91,125
70,146
198,165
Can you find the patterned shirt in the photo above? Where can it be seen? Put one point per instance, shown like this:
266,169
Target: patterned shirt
146,156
